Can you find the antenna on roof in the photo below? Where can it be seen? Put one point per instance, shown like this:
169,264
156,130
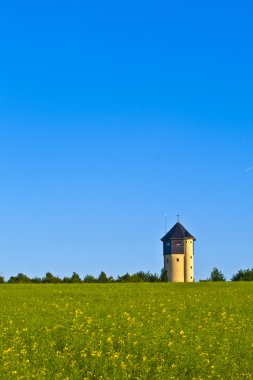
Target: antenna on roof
165,222
178,218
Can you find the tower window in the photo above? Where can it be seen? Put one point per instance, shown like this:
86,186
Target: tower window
191,241
190,257
191,267
177,260
191,277
167,260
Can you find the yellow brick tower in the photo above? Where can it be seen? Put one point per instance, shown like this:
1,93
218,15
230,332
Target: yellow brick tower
178,253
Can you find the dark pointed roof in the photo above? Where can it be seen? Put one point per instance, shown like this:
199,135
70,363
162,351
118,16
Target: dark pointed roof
178,232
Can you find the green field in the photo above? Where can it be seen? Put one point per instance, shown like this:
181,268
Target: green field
127,331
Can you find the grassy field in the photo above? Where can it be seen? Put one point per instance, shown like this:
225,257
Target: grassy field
127,331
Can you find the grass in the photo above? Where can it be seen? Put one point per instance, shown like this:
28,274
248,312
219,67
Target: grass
126,331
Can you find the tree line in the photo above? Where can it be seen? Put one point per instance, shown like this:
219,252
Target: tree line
49,278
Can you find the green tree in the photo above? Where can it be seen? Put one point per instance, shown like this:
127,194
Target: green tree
217,275
75,277
89,278
125,278
66,280
51,279
36,280
135,278
163,276
23,278
243,275
102,277
19,279
154,277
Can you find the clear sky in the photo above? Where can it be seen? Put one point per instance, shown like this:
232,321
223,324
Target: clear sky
114,113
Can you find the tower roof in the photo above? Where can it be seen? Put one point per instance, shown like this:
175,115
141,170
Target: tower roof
178,232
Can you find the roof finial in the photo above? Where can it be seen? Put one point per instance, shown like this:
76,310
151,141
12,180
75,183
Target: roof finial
178,218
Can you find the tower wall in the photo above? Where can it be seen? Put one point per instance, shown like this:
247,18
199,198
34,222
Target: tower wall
189,261
174,265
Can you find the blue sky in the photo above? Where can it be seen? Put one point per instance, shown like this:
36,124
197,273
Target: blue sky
115,113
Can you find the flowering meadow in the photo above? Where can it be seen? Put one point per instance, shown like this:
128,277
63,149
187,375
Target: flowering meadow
126,331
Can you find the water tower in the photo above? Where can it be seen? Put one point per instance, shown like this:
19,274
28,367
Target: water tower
178,253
